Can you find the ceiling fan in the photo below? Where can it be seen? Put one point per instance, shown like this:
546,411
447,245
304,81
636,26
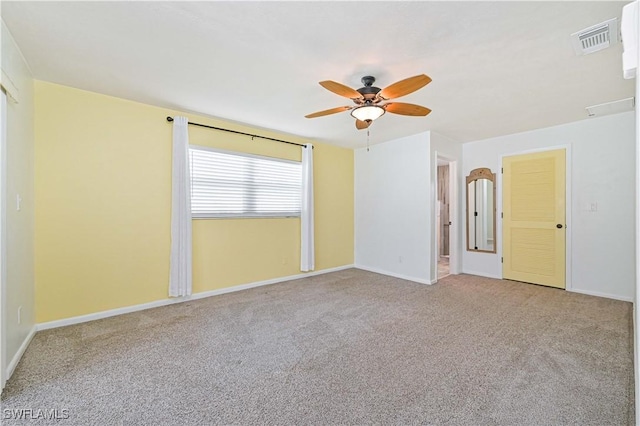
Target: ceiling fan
369,100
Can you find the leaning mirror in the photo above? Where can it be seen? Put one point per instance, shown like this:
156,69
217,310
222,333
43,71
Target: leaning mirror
481,211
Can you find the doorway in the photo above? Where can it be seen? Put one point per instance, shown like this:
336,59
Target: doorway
443,219
445,207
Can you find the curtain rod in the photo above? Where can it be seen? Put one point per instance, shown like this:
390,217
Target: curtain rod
170,119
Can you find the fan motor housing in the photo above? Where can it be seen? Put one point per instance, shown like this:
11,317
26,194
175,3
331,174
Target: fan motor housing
368,91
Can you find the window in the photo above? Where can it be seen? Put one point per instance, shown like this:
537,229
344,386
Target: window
230,184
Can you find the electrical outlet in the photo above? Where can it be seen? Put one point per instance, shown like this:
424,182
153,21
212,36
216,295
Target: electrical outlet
284,260
20,315
399,259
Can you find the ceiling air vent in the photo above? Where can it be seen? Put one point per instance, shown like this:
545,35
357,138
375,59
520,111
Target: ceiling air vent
595,38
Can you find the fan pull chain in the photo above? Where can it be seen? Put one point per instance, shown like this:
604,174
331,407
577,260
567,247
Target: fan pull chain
367,139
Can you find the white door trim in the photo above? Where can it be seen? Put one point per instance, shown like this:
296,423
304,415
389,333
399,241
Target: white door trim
568,205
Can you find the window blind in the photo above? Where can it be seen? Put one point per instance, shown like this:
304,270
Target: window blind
228,184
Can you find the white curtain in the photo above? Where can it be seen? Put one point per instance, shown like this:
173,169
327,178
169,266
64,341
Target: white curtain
180,265
307,254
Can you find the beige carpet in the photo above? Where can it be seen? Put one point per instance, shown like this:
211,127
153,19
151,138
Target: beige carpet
351,347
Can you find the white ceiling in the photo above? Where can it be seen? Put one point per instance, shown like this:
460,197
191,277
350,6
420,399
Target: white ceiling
497,67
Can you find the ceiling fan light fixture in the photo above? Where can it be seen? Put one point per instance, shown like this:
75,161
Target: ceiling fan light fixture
367,112
368,99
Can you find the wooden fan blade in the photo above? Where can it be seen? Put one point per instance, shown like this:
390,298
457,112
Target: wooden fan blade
406,109
361,125
341,89
328,111
404,87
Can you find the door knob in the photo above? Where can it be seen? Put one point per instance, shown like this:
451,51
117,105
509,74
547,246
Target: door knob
559,226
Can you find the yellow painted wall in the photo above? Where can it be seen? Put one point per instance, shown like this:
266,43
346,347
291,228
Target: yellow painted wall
103,200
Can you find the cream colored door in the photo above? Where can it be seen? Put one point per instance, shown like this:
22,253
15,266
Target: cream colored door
534,223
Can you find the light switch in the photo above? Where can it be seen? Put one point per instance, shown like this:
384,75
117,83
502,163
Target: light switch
18,202
592,207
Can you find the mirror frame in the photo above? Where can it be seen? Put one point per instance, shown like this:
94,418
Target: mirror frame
475,174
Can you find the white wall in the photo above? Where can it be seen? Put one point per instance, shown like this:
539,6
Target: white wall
393,209
442,146
19,181
601,168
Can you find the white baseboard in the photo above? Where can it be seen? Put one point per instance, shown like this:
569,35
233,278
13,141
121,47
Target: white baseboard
23,347
482,274
599,294
165,302
393,274
574,290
